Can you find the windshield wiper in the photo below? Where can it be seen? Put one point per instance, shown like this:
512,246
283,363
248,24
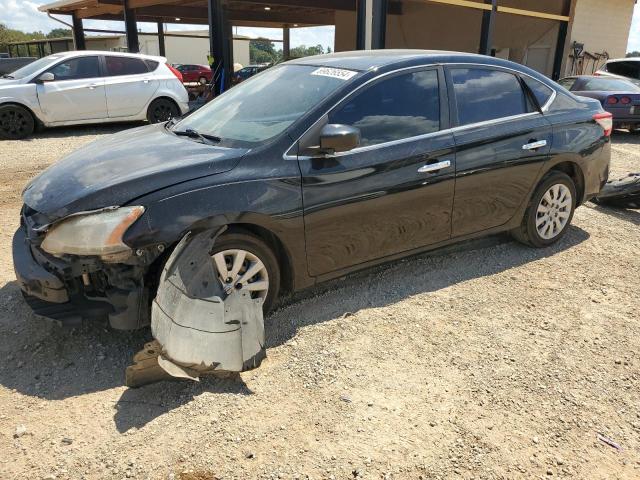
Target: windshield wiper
191,133
8,76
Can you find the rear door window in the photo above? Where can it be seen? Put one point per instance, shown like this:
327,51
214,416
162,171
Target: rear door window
117,66
484,94
403,106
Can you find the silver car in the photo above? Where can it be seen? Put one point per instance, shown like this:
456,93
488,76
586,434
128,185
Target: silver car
89,87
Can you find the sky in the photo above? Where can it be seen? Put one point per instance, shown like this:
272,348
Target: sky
24,15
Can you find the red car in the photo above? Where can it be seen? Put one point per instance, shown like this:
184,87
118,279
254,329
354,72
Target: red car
195,73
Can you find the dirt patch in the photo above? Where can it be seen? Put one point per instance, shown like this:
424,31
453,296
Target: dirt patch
493,361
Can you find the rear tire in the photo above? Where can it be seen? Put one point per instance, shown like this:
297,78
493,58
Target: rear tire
550,211
16,122
257,249
162,110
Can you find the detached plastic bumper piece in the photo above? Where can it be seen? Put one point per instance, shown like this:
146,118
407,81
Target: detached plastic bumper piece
622,193
200,328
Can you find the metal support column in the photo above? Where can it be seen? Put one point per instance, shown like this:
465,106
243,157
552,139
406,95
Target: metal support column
219,46
286,49
486,31
161,46
78,33
378,23
131,27
560,51
361,27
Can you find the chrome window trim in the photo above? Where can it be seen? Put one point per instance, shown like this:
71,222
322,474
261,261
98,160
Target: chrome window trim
544,108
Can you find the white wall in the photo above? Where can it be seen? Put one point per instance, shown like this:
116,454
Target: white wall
178,49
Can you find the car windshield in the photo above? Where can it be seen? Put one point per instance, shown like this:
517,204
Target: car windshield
34,66
266,104
609,85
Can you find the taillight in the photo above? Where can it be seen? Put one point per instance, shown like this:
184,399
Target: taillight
605,120
625,100
612,100
176,72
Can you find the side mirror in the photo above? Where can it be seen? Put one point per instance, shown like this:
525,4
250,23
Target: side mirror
46,77
336,138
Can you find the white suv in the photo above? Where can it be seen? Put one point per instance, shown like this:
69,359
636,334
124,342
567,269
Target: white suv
628,68
89,87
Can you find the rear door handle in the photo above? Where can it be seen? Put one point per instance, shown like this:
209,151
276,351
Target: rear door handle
434,167
534,145
93,86
145,80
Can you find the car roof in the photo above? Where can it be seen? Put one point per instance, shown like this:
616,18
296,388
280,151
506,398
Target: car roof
367,60
633,59
82,53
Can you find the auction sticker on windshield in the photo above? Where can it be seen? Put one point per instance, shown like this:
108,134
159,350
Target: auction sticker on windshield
334,73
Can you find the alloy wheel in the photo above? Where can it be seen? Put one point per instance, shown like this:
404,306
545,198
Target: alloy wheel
242,270
162,112
554,211
13,123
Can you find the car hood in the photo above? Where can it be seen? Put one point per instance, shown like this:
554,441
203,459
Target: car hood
9,82
122,167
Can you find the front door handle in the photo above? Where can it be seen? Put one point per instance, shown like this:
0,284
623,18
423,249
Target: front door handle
534,145
145,80
434,167
93,86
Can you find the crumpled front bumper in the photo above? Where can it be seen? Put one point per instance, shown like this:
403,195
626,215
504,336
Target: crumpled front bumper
70,291
33,278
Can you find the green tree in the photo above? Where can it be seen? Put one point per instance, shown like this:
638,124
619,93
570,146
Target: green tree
60,33
304,51
262,50
9,35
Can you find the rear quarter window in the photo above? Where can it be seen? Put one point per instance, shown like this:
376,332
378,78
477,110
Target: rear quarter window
539,90
152,65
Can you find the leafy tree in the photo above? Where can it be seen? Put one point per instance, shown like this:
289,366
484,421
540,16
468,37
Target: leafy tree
262,50
9,35
304,51
60,33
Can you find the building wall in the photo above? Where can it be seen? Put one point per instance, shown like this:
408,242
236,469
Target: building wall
178,49
602,26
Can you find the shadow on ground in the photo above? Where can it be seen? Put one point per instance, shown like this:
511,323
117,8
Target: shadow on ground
625,214
46,361
81,130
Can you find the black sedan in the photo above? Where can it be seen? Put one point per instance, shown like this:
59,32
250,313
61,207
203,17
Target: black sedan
618,96
313,169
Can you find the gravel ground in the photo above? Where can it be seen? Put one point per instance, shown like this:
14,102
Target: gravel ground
490,361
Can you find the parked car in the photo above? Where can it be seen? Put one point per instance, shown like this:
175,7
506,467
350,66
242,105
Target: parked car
195,73
373,156
622,67
88,87
616,95
247,72
11,64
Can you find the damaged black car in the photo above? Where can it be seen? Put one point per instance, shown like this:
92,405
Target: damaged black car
308,171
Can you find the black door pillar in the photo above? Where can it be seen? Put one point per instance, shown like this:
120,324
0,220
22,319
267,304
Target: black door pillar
78,33
488,23
219,46
161,46
131,28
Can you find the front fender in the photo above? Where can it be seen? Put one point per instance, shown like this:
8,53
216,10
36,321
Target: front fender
24,95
